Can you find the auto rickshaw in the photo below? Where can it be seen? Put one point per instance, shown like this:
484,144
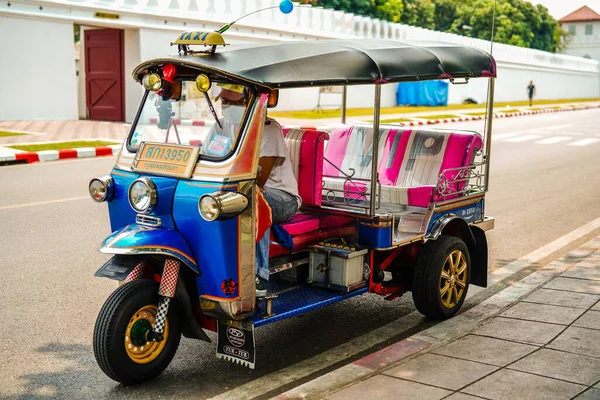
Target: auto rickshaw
382,214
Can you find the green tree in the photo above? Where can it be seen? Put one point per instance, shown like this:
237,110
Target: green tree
518,22
419,13
389,10
445,14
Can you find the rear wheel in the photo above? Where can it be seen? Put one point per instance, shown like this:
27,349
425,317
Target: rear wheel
441,277
120,344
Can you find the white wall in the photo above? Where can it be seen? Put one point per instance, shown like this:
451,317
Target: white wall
37,66
133,57
150,27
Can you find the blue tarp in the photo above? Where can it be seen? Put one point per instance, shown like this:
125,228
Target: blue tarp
425,93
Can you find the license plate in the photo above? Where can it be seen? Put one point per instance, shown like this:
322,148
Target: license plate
235,342
166,159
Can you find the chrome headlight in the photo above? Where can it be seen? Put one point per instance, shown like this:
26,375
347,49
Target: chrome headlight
222,205
143,195
101,189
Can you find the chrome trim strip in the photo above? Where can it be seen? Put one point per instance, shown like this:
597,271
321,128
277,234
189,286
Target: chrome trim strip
148,250
148,220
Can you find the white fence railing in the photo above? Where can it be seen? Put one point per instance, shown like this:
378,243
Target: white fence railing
308,21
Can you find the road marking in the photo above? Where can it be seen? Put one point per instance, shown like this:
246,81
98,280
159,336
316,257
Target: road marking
302,369
500,136
525,138
584,142
554,140
41,203
556,127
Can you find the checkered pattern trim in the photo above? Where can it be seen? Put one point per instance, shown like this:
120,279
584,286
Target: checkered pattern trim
161,314
136,273
168,282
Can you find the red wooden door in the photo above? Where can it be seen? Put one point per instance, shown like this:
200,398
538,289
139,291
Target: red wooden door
104,74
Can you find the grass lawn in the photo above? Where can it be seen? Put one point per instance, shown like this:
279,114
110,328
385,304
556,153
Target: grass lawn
62,145
359,112
476,113
4,133
510,110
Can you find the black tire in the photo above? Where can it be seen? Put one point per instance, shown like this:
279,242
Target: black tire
428,284
131,302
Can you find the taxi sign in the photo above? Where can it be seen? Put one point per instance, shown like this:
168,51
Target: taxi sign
205,38
166,159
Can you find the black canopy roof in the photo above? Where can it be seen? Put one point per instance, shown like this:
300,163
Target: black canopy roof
338,62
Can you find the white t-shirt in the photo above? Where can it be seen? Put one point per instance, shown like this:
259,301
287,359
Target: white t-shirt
282,175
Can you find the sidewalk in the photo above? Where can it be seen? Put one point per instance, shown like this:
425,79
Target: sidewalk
537,339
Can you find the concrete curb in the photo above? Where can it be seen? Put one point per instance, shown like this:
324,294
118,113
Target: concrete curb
437,335
53,155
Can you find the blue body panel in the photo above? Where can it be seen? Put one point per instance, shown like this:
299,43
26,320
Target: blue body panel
119,210
374,237
215,243
150,240
470,213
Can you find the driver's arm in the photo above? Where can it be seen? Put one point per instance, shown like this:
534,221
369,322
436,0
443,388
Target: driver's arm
265,167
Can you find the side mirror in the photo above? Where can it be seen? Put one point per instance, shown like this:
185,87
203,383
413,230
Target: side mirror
273,99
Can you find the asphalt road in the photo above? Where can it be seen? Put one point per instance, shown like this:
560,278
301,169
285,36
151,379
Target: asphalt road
541,189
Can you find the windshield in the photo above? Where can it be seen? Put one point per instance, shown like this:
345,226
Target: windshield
189,120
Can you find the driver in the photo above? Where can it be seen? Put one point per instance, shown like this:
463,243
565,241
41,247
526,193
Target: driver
279,187
275,178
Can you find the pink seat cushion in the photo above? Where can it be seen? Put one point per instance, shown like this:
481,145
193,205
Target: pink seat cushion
300,224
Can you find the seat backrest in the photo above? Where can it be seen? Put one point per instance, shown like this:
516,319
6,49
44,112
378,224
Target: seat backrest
428,153
306,155
350,149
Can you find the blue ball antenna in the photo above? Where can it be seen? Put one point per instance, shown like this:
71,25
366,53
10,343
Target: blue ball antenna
286,6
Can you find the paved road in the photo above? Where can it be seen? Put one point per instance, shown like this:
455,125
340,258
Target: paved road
542,188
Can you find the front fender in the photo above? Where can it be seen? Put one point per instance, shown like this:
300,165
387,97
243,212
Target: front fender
136,239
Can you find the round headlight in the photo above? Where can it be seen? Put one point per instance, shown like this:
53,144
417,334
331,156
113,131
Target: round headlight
209,207
143,195
101,188
203,83
152,82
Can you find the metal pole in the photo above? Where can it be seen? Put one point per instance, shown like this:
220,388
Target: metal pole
344,97
488,131
375,158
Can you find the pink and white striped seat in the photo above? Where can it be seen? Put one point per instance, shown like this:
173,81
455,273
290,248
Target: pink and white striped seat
410,162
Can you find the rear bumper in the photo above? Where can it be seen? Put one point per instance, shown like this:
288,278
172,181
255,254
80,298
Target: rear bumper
485,225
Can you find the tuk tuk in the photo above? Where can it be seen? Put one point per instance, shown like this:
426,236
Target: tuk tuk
386,209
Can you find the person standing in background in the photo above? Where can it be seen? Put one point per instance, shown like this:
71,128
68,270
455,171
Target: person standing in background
531,92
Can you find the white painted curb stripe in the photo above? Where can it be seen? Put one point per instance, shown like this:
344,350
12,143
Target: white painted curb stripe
85,152
48,155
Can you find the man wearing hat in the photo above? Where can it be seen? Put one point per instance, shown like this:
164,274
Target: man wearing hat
275,178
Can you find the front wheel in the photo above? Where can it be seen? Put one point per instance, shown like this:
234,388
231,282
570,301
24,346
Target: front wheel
441,277
120,344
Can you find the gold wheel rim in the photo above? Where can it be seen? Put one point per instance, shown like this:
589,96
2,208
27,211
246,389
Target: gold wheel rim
142,320
453,280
